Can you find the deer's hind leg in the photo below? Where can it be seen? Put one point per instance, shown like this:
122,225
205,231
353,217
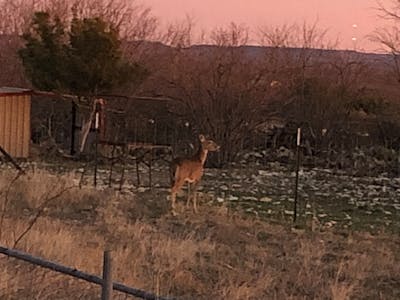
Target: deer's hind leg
189,191
179,181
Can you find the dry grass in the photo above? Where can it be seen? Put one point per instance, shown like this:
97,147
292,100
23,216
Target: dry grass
212,255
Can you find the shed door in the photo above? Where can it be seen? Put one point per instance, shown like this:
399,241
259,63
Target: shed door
15,124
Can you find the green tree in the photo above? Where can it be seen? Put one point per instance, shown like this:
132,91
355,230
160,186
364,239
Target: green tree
44,53
85,60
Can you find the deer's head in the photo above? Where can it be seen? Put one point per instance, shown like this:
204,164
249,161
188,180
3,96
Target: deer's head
208,144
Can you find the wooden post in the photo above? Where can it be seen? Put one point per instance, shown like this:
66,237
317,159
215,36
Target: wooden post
297,174
107,286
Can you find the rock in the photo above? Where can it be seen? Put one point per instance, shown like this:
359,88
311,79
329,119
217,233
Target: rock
86,207
233,198
330,224
266,199
247,198
220,199
223,187
257,154
362,204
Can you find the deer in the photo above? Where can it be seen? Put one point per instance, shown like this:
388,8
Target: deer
190,169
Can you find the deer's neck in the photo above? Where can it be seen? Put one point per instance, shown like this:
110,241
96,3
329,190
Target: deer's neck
202,155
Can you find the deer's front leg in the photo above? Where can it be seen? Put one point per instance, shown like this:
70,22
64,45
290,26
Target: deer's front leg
194,191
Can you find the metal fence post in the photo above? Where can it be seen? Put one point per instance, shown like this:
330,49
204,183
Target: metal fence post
96,126
297,174
81,275
73,127
107,286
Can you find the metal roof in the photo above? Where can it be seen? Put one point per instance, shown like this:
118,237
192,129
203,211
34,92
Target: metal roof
7,91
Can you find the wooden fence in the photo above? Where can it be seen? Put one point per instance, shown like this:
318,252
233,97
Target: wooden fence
106,281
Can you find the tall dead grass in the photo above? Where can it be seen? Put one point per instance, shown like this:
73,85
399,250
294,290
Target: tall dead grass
211,255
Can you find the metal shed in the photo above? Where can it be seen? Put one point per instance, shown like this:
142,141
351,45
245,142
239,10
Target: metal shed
15,124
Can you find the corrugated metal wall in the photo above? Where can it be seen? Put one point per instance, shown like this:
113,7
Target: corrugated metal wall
15,124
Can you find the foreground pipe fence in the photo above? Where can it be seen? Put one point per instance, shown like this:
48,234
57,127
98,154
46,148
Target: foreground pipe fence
106,281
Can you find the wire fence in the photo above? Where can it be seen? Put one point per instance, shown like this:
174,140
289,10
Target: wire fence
357,190
274,183
352,176
270,179
338,184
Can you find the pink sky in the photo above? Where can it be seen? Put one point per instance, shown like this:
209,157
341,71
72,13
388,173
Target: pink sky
337,16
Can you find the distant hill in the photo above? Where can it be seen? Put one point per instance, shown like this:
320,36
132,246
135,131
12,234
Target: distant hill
159,55
380,75
255,52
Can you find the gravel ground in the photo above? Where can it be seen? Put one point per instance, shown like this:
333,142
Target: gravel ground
328,198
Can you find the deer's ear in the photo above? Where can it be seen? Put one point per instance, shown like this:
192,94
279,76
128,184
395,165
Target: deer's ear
201,138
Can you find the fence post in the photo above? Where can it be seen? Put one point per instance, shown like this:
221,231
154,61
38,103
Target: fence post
96,126
297,174
73,127
107,286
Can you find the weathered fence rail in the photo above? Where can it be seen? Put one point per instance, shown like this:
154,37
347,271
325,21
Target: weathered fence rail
105,283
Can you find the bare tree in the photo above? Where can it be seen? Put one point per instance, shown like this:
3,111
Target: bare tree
389,37
233,35
134,21
220,89
299,51
178,34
